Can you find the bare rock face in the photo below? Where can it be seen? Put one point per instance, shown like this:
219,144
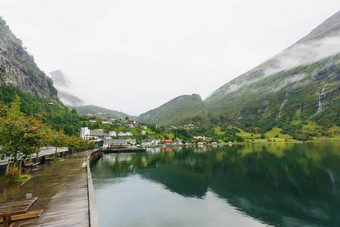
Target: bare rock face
17,66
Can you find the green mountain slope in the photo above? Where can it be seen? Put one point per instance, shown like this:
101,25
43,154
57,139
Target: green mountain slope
180,110
101,112
299,85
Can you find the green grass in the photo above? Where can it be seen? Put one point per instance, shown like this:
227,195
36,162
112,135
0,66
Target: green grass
320,133
218,131
277,132
56,159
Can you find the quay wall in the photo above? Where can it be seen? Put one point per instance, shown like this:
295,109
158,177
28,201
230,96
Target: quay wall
93,215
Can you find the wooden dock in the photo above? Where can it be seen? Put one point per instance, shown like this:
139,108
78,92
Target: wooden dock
62,190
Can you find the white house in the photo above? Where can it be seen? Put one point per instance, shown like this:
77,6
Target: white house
177,141
143,132
150,142
112,133
121,134
128,134
131,141
85,133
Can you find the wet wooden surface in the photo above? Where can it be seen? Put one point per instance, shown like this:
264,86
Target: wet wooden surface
62,190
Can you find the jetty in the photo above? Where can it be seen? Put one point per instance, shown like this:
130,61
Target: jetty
123,150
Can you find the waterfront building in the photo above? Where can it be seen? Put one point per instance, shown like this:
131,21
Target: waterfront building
97,133
149,142
85,133
115,142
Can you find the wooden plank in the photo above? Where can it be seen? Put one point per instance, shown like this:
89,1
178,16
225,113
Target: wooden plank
16,207
27,215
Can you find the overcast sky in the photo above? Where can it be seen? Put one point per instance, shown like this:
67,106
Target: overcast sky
135,55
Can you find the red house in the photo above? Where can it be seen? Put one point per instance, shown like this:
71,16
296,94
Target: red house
167,141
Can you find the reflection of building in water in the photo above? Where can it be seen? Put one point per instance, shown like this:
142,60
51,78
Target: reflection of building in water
178,148
200,149
124,157
112,158
167,149
153,150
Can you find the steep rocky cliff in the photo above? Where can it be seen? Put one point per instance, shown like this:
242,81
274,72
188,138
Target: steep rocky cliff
18,69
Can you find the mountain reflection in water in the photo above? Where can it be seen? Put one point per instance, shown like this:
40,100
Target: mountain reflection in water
273,184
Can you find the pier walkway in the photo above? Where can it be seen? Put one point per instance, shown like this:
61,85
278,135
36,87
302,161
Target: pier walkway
43,151
62,191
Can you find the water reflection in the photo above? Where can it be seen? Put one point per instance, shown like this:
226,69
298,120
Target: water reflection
277,184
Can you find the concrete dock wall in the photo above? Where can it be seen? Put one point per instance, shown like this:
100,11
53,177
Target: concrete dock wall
93,215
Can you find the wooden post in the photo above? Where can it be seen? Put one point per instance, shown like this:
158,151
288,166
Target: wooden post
7,169
20,167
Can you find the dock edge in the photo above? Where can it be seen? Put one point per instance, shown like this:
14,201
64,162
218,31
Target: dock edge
93,215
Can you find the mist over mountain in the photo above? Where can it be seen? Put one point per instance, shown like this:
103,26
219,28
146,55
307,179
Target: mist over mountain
64,88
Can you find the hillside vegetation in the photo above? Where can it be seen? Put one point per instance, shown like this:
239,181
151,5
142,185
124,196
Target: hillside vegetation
183,109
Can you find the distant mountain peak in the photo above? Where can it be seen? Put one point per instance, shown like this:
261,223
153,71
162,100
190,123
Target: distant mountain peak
180,109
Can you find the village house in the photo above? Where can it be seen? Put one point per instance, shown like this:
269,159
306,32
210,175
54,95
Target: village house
99,133
85,133
121,134
167,141
150,142
95,134
177,142
131,141
128,133
143,132
115,142
112,134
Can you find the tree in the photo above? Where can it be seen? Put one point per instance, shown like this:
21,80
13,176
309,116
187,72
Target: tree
20,135
57,139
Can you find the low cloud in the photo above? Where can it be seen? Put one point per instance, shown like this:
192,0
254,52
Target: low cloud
304,53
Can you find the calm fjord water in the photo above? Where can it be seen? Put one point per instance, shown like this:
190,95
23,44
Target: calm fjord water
249,185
